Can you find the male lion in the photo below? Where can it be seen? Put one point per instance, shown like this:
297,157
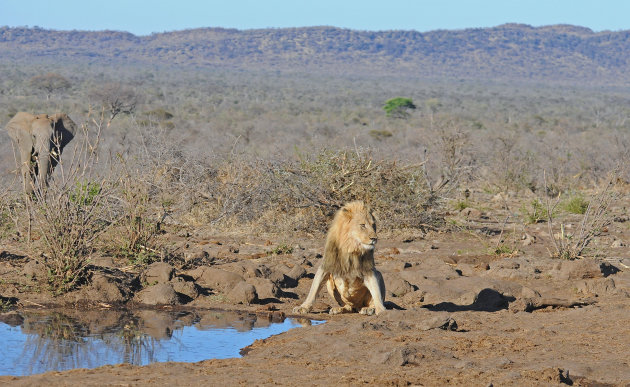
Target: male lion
348,266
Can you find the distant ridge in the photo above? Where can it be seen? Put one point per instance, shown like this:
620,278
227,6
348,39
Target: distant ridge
507,52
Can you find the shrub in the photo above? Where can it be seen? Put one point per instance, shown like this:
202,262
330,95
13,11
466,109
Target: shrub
535,213
380,134
594,220
327,180
461,205
70,213
576,204
137,225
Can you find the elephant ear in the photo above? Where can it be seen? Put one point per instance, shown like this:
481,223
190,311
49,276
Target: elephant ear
19,129
65,129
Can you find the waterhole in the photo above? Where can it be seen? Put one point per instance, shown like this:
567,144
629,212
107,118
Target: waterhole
34,342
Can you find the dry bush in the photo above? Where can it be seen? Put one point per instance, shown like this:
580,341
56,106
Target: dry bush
594,220
137,225
71,212
235,192
324,182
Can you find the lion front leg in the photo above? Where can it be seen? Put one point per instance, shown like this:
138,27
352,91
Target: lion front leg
317,284
375,284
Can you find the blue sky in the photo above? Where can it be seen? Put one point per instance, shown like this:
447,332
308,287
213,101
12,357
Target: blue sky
143,17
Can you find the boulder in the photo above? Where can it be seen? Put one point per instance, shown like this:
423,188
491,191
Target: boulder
216,279
197,254
35,270
158,273
243,293
438,322
185,288
296,272
265,288
597,286
105,289
160,294
580,269
397,286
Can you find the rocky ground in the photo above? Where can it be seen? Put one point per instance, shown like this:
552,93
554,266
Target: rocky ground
459,312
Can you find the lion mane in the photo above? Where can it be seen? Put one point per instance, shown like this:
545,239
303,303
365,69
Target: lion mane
348,267
344,254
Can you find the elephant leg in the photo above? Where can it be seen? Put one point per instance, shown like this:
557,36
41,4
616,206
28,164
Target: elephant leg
42,148
43,166
25,168
43,137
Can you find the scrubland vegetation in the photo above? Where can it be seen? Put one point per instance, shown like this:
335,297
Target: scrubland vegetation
165,150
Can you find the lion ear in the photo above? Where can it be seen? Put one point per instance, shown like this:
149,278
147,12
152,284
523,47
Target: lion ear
346,212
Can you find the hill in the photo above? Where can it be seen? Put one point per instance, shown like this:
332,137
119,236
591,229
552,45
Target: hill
507,52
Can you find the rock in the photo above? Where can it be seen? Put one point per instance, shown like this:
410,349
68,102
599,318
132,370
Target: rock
506,268
251,270
397,357
414,298
598,286
438,322
403,265
296,272
490,300
531,304
186,288
283,275
618,243
584,269
527,240
529,293
35,270
105,289
265,288
196,254
158,273
522,305
160,294
243,293
227,252
216,279
398,286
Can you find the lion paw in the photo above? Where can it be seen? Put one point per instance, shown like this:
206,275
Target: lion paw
336,311
367,311
301,310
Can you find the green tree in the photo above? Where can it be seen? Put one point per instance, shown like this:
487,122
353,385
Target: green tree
398,107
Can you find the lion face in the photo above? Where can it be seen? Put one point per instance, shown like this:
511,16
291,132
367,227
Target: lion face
361,226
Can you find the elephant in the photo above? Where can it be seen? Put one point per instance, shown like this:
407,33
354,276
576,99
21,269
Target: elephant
40,139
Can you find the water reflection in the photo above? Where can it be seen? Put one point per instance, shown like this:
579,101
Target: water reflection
39,341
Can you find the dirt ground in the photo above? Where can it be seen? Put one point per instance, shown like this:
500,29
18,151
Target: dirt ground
458,312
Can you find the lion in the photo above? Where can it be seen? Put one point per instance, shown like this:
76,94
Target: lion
348,265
